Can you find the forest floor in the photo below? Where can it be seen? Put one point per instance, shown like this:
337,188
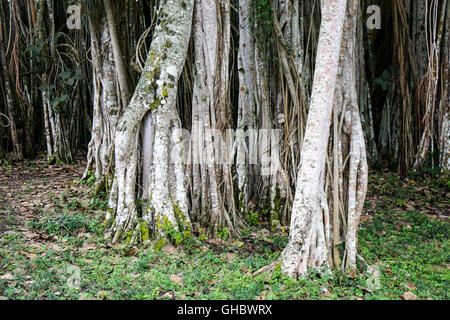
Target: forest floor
52,247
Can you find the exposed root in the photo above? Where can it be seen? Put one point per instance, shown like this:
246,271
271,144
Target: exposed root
269,269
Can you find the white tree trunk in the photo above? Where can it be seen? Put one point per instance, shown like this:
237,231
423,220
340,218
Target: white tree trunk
247,96
306,210
106,108
155,93
315,229
355,178
213,201
118,58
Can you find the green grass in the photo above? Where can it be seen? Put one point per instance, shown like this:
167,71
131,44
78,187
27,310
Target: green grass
410,247
65,223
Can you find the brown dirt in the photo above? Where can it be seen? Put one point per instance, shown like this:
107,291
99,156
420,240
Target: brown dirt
29,186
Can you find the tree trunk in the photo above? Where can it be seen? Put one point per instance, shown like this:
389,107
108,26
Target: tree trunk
434,40
58,145
106,107
17,144
118,57
307,203
155,93
213,202
315,229
444,110
247,98
364,94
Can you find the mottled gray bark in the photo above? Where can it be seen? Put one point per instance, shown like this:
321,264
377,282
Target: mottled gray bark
315,229
155,93
118,57
306,209
247,97
212,186
106,110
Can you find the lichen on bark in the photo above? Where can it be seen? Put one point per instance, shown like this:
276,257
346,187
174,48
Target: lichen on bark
154,94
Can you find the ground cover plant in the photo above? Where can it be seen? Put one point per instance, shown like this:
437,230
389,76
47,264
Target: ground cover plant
53,247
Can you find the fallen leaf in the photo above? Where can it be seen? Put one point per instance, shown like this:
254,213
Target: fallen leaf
366,218
168,295
230,256
176,279
410,285
30,235
83,235
7,276
215,241
263,296
19,271
170,249
409,296
213,283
